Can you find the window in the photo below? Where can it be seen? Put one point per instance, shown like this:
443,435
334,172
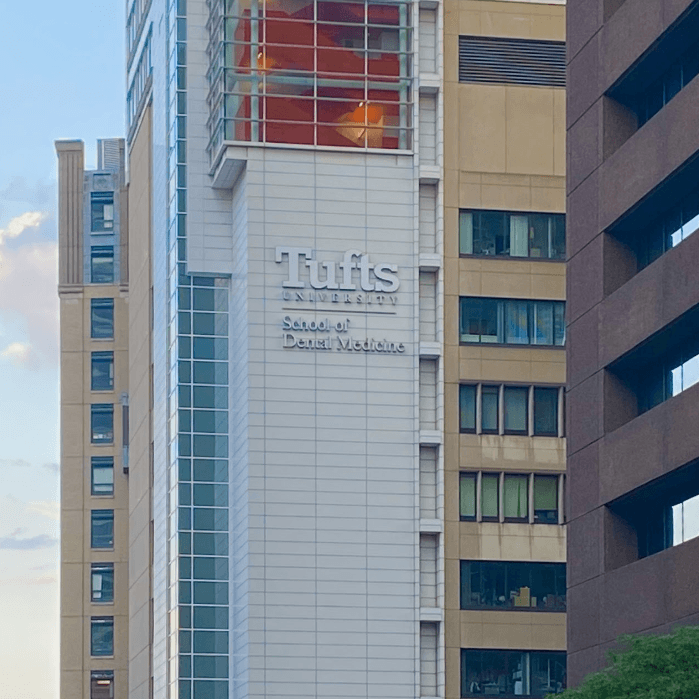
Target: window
101,423
516,499
502,233
102,468
102,212
101,318
102,684
102,264
546,411
102,582
490,492
512,61
667,525
512,322
515,399
547,403
102,529
102,371
102,636
512,673
467,496
546,499
513,491
513,585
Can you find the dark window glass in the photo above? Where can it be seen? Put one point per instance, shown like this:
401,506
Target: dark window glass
102,371
512,234
516,497
467,408
102,475
467,496
102,212
102,264
210,396
490,487
210,689
546,499
489,409
513,585
546,411
515,408
210,568
512,673
101,423
102,582
512,322
211,495
101,318
210,666
210,617
102,635
213,470
210,641
102,684
102,529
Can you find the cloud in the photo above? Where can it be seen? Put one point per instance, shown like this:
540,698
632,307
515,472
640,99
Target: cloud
55,468
46,508
16,542
20,354
19,224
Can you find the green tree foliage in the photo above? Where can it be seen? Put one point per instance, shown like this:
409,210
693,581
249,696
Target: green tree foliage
647,667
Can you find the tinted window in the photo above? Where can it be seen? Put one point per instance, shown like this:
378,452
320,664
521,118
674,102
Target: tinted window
102,529
102,318
102,264
102,371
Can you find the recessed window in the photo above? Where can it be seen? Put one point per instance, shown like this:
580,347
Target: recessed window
489,409
102,468
102,264
515,399
102,684
101,318
102,529
516,497
102,212
490,496
546,411
512,673
102,376
101,636
546,499
512,322
507,234
513,585
467,408
102,423
102,582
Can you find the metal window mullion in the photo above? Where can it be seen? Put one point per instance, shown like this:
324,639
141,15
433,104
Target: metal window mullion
479,408
530,411
530,498
501,409
560,413
479,506
561,498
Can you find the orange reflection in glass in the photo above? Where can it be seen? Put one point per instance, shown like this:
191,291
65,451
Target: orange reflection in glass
364,125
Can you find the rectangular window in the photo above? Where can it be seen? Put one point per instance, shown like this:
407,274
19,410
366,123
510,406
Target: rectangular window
101,318
467,405
102,582
102,375
489,409
102,264
510,61
467,496
546,499
516,498
546,411
516,398
512,322
507,234
490,488
102,423
102,529
513,585
102,684
102,212
101,636
512,673
102,468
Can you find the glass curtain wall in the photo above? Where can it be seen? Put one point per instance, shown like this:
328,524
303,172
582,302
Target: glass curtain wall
312,72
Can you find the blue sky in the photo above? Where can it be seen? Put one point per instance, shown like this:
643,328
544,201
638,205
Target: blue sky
62,77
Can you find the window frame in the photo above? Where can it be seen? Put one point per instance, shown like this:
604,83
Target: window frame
98,252
105,303
97,569
519,389
97,676
101,462
463,476
102,199
99,358
105,622
96,516
101,409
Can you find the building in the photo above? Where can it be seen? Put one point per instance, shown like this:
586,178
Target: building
346,433
633,296
94,313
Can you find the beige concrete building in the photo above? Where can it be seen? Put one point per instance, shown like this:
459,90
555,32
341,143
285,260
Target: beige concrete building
94,313
504,446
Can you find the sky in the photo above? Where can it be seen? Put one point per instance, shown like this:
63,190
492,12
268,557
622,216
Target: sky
61,76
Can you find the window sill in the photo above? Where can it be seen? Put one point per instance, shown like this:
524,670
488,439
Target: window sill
500,345
97,603
471,256
535,610
102,496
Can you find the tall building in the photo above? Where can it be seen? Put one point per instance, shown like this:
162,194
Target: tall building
346,360
632,353
94,318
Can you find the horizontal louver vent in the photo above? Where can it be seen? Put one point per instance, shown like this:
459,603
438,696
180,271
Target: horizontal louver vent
513,61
